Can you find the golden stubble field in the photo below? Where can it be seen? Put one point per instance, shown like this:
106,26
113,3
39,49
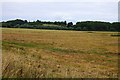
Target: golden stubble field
31,53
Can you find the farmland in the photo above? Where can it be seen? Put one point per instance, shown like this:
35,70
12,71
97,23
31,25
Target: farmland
37,53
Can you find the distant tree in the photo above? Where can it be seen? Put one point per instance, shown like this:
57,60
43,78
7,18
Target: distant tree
61,25
93,25
38,21
115,26
65,23
26,21
70,24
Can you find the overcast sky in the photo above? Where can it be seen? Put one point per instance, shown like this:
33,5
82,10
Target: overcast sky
61,10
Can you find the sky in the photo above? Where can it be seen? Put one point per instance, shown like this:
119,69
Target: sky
60,10
119,11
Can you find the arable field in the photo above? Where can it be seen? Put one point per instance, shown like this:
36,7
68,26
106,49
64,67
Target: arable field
35,53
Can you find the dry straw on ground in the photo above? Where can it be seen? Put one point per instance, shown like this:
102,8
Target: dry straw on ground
59,54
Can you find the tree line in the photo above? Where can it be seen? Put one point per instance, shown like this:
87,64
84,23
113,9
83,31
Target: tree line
63,25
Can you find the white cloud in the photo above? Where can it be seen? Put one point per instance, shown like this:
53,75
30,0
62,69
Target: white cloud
59,0
70,11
